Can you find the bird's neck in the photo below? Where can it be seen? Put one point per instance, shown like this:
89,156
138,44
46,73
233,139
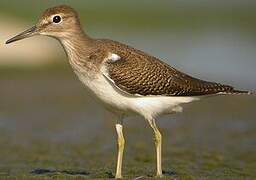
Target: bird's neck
77,46
76,42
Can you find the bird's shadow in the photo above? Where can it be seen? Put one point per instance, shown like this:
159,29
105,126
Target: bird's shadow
67,172
166,173
109,174
169,173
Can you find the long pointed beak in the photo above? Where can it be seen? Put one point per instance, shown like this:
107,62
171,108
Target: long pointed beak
28,33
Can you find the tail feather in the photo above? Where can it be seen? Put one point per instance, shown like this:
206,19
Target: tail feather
239,92
226,89
217,88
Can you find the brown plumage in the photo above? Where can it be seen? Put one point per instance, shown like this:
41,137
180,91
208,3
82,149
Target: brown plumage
142,74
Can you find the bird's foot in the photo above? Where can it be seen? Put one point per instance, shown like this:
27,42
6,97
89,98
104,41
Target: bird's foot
159,176
118,177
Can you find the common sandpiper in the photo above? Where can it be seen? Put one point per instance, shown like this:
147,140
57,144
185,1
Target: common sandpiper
127,81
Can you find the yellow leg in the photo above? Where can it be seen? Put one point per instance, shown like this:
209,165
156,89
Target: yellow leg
158,145
121,142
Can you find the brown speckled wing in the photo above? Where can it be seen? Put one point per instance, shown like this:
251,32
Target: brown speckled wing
139,73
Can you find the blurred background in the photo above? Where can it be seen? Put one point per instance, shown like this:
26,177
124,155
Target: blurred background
49,126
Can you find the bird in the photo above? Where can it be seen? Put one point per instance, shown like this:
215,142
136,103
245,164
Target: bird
126,81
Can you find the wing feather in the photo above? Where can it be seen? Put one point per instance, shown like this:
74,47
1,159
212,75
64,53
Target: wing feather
137,73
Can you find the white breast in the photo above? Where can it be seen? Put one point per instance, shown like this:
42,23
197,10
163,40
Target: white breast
113,97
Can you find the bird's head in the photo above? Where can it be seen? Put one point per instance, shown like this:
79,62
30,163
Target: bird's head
58,22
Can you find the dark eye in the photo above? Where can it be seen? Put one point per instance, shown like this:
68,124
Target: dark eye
56,19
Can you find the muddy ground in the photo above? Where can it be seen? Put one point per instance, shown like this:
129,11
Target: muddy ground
51,129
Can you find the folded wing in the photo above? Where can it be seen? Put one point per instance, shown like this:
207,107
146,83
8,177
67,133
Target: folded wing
138,73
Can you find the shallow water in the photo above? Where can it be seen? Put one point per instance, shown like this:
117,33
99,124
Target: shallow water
49,127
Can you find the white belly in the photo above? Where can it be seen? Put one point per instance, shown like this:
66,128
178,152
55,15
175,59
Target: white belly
114,98
147,106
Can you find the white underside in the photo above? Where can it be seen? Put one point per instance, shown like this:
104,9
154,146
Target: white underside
104,89
146,106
